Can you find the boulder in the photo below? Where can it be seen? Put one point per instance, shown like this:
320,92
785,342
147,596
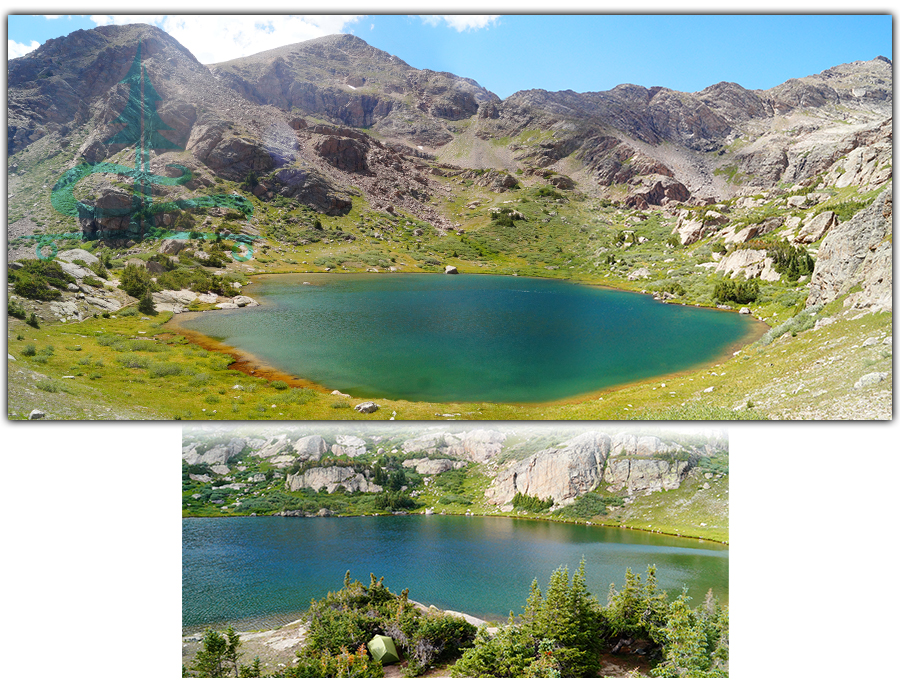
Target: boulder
71,255
367,407
171,246
108,304
75,271
310,447
815,228
241,301
750,263
870,380
431,467
450,270
183,297
331,478
351,446
639,274
36,414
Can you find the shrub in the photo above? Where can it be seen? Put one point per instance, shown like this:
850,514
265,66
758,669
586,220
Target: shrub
740,292
34,286
300,396
164,369
29,350
135,280
146,305
278,384
48,385
132,360
522,501
15,309
590,505
792,262
549,192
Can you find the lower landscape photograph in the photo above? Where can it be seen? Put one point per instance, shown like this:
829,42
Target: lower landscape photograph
512,550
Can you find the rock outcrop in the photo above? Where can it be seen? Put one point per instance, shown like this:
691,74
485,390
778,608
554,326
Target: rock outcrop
217,455
562,474
331,478
750,263
310,447
644,475
624,462
350,446
430,466
857,254
479,445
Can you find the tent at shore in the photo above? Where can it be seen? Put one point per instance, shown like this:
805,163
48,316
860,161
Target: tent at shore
383,650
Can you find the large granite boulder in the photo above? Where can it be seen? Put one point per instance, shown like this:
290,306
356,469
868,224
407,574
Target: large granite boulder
331,478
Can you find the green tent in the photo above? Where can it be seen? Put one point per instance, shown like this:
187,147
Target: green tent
383,650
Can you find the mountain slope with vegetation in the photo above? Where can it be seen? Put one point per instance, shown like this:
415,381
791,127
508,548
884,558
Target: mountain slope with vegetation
666,482
331,155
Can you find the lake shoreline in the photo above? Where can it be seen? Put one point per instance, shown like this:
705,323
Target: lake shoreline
253,366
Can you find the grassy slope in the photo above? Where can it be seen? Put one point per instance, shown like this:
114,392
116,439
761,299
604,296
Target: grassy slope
575,237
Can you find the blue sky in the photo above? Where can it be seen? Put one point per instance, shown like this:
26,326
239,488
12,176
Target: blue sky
506,53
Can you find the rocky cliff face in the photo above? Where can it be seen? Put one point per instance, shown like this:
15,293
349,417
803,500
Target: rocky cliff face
343,79
857,255
623,463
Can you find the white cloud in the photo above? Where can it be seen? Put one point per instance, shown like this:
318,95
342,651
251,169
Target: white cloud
462,22
14,49
212,38
52,16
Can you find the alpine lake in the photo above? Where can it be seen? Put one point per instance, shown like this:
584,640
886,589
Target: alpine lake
482,338
262,572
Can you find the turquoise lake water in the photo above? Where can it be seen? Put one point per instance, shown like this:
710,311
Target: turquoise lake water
261,572
424,337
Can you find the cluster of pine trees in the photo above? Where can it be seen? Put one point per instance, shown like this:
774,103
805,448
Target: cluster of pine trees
562,632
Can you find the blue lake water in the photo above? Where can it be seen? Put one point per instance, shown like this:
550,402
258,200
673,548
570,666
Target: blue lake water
492,338
260,572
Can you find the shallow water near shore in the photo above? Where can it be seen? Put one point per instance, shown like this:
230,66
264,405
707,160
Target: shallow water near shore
423,337
261,572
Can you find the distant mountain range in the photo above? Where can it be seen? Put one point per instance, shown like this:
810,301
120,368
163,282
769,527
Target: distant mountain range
279,109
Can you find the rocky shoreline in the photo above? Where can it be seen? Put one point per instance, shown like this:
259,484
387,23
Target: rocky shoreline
276,647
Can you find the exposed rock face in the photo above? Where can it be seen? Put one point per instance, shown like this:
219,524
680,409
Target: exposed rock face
319,77
816,227
310,447
428,466
644,475
479,445
750,263
562,473
331,478
858,252
277,446
346,154
633,445
351,446
580,465
217,455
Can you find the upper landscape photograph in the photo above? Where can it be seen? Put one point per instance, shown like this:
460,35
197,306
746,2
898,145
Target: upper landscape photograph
449,218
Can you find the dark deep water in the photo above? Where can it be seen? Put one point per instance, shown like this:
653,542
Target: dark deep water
260,572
